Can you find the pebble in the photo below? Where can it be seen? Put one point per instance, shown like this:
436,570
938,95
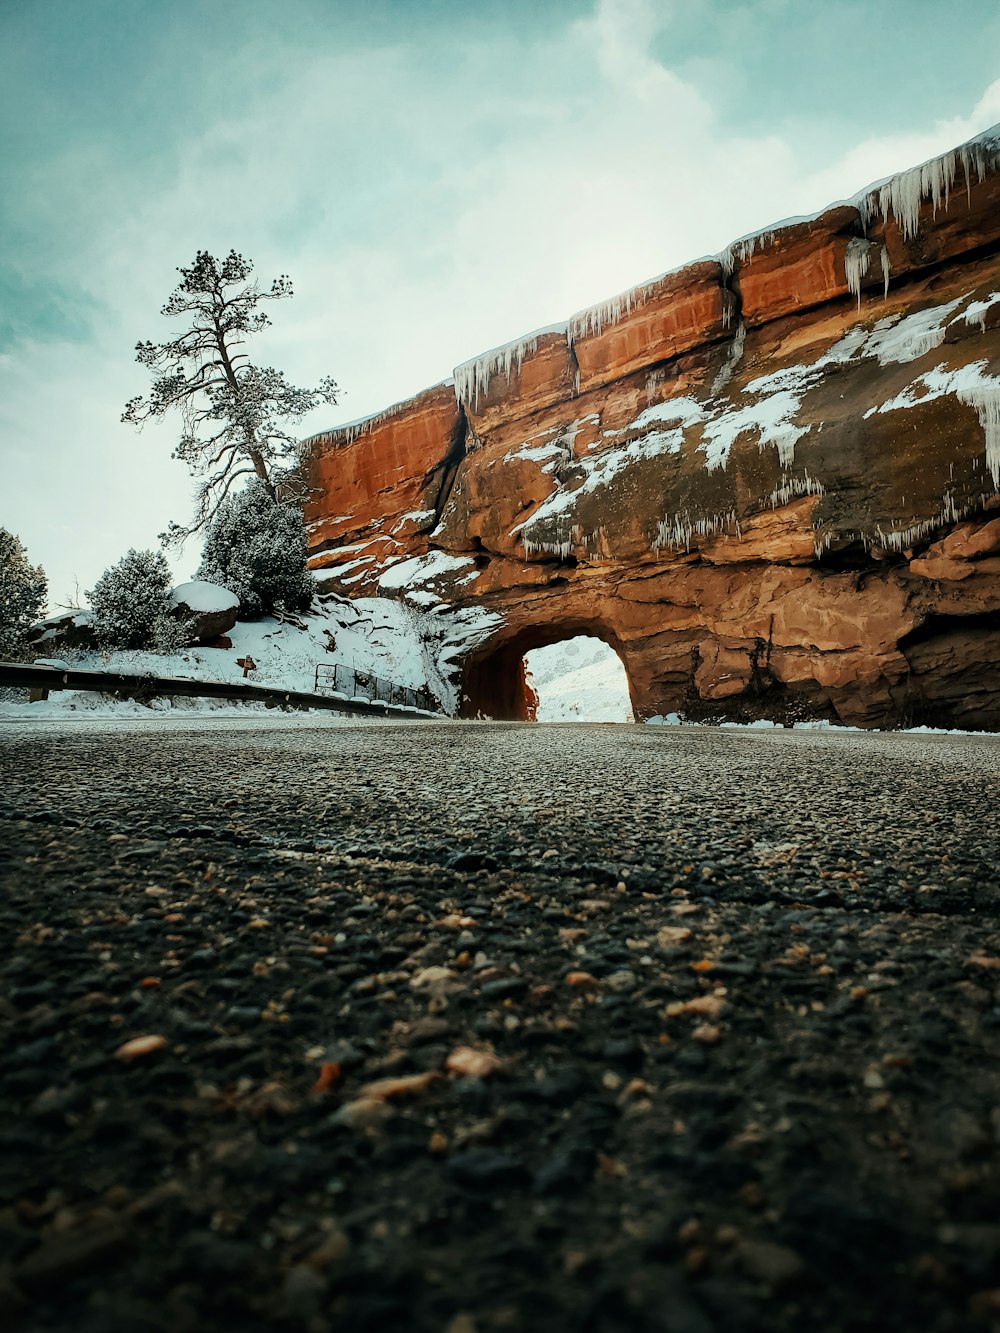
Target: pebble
775,1265
137,1047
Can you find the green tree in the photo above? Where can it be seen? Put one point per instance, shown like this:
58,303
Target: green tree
23,590
236,415
131,604
257,550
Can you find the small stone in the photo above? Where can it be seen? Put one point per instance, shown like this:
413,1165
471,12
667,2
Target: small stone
334,1248
427,1029
402,1085
137,1047
70,1254
485,1168
432,976
707,1033
571,934
363,1113
582,981
303,1290
670,936
468,1062
696,1260
461,1323
775,1265
704,1006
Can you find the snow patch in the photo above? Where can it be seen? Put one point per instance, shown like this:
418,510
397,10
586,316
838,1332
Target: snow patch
975,311
419,570
771,418
971,385
202,596
579,680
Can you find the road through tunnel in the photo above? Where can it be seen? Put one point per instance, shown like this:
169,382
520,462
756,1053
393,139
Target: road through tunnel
498,682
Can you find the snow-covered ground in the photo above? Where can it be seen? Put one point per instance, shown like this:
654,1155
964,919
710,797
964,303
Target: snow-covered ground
376,635
579,680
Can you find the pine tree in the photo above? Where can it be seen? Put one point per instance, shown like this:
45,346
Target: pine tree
257,549
235,415
23,590
131,604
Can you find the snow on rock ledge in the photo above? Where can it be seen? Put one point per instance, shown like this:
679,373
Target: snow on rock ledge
207,609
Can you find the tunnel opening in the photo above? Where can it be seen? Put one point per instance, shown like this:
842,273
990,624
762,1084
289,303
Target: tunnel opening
570,672
578,680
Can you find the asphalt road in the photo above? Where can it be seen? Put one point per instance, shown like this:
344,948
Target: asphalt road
467,1027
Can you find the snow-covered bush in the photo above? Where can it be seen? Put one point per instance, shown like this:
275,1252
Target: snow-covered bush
23,589
257,549
131,604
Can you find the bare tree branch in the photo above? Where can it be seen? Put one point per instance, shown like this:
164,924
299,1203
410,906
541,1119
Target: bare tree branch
201,374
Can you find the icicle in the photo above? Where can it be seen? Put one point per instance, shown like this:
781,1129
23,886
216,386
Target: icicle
902,196
857,261
472,378
793,488
592,322
341,436
732,359
975,312
984,397
677,530
886,270
742,251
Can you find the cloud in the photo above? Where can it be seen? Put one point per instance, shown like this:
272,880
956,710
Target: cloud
430,199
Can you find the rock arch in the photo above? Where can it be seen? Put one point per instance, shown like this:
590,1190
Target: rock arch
493,676
771,479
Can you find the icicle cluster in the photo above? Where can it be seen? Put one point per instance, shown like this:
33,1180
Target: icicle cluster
793,488
903,195
984,397
344,435
742,251
857,262
562,550
676,530
472,378
732,359
592,322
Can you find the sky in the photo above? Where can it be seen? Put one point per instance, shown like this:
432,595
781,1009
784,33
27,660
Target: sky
437,176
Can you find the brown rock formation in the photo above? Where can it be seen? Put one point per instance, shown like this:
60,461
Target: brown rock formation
771,482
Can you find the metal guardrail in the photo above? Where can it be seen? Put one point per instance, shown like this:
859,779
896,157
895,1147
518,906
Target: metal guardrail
128,685
335,678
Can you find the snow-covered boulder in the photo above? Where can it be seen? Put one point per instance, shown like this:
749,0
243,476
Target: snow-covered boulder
207,609
69,629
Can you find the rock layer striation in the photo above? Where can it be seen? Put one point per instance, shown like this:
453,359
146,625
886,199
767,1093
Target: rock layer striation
770,480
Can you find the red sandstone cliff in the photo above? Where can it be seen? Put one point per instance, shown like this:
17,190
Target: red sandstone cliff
770,480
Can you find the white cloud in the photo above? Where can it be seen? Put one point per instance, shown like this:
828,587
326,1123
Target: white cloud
424,217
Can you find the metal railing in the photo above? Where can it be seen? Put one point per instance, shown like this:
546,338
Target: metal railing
335,678
40,679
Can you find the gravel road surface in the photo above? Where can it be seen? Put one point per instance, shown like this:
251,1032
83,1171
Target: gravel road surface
475,1027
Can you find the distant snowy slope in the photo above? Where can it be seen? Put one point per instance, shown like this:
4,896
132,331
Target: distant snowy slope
579,680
